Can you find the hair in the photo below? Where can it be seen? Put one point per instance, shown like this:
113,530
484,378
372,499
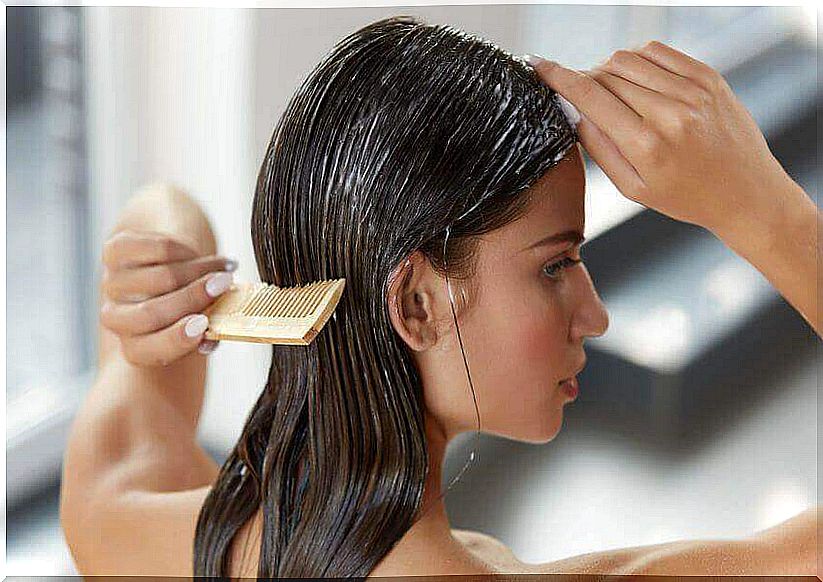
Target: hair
402,130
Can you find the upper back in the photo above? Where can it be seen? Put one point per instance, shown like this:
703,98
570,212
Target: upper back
245,550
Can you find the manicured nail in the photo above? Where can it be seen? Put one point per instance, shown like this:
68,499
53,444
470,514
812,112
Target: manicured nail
218,283
571,112
535,59
231,265
196,325
207,346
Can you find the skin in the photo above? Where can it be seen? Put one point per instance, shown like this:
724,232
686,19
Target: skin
539,322
668,132
539,327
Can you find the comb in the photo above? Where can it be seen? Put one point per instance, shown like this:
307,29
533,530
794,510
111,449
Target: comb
264,313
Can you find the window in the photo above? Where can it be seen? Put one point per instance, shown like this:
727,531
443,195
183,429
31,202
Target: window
47,338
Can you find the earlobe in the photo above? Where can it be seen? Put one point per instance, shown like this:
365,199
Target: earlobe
410,309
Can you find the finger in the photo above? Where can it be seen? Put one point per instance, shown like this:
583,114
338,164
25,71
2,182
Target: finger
678,62
642,101
208,346
142,283
609,158
166,345
159,312
130,248
615,119
635,68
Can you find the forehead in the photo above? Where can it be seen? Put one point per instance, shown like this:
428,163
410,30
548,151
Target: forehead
556,204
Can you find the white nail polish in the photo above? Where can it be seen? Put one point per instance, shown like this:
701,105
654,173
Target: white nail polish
571,112
218,283
534,59
206,348
196,325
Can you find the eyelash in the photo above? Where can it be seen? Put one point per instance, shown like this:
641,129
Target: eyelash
563,263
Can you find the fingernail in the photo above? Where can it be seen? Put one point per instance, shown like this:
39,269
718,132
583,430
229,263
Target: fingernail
196,325
535,59
231,264
218,283
207,346
569,110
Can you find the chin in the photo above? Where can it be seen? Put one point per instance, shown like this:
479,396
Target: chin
544,431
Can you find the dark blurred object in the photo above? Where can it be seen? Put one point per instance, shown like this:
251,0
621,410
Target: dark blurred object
693,325
24,56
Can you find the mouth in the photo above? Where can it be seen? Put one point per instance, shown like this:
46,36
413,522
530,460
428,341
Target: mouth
570,385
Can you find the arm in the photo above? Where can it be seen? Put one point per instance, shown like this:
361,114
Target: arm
780,239
135,432
789,548
670,133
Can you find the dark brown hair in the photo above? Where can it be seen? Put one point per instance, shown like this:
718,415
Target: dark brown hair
402,130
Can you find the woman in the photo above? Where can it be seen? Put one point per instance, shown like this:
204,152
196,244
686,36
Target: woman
427,167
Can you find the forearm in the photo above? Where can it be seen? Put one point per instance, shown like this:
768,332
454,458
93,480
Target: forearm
137,425
780,239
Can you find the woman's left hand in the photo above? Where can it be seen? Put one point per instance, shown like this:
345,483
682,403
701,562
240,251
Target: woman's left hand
154,289
671,135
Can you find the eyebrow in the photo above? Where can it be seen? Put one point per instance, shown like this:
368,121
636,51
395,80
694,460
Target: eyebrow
572,236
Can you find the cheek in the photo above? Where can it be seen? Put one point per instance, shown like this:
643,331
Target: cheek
522,341
538,337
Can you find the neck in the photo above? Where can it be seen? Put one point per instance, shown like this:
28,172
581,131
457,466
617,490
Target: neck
432,516
428,547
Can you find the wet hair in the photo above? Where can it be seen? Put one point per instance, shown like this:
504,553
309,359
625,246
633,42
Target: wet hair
402,130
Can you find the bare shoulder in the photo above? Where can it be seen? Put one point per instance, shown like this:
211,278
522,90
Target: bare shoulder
491,550
614,562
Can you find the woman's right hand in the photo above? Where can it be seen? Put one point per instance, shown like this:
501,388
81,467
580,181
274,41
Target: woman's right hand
154,288
671,135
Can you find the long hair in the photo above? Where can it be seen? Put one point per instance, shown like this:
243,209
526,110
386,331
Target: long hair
402,130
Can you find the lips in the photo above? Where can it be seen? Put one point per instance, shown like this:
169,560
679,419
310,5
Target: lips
570,387
580,369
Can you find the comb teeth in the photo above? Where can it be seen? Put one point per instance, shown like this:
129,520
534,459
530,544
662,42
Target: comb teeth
263,313
286,301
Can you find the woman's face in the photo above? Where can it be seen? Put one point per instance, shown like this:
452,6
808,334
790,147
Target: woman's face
523,330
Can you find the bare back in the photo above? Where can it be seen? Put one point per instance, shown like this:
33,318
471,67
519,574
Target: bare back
492,557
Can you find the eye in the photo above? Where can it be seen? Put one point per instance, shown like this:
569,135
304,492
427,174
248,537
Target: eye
555,270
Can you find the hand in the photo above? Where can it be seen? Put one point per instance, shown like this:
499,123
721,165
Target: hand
670,134
154,287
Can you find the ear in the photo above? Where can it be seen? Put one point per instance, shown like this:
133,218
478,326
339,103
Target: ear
413,302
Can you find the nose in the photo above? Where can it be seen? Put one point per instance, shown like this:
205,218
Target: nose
591,318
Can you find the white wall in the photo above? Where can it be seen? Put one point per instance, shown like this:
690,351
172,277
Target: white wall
169,98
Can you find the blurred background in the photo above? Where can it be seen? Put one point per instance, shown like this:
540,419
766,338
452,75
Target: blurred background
698,409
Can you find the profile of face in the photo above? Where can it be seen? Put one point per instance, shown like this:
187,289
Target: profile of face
523,326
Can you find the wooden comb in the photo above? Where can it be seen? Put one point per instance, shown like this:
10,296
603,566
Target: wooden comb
264,313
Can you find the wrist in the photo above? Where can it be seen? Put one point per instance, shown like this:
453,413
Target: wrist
179,386
759,223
